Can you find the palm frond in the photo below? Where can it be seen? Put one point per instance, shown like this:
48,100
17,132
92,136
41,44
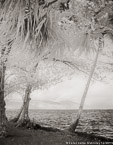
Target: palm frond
33,27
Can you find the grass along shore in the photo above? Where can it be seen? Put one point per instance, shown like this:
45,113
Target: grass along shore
48,136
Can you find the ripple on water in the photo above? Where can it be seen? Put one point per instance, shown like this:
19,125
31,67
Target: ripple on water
99,122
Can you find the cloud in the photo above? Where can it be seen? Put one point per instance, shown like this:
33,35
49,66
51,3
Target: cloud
67,95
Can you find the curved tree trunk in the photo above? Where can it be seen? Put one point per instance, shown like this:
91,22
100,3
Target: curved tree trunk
18,115
23,115
73,126
3,119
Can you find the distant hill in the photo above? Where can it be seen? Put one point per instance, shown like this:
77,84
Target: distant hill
40,104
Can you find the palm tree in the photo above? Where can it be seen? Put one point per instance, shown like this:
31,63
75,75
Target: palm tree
99,29
28,26
25,25
73,126
3,119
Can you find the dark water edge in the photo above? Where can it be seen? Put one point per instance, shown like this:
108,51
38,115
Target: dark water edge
96,122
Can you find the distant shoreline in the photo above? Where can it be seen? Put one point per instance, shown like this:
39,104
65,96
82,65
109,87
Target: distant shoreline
63,109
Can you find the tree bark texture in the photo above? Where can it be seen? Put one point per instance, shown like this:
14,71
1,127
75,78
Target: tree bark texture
3,119
23,114
73,126
3,59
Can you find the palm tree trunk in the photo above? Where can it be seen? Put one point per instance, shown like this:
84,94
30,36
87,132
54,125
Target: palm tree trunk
23,116
73,126
3,119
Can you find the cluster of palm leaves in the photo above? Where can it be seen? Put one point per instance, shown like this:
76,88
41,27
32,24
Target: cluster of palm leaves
26,24
93,20
100,13
30,25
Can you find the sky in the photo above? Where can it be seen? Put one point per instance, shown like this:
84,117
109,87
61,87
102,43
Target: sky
67,95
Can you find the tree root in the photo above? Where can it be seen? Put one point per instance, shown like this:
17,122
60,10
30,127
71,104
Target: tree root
27,124
14,120
32,125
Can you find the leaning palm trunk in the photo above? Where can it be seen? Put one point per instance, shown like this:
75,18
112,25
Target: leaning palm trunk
3,119
73,126
18,115
23,115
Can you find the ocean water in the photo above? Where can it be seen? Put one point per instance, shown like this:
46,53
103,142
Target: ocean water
98,122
